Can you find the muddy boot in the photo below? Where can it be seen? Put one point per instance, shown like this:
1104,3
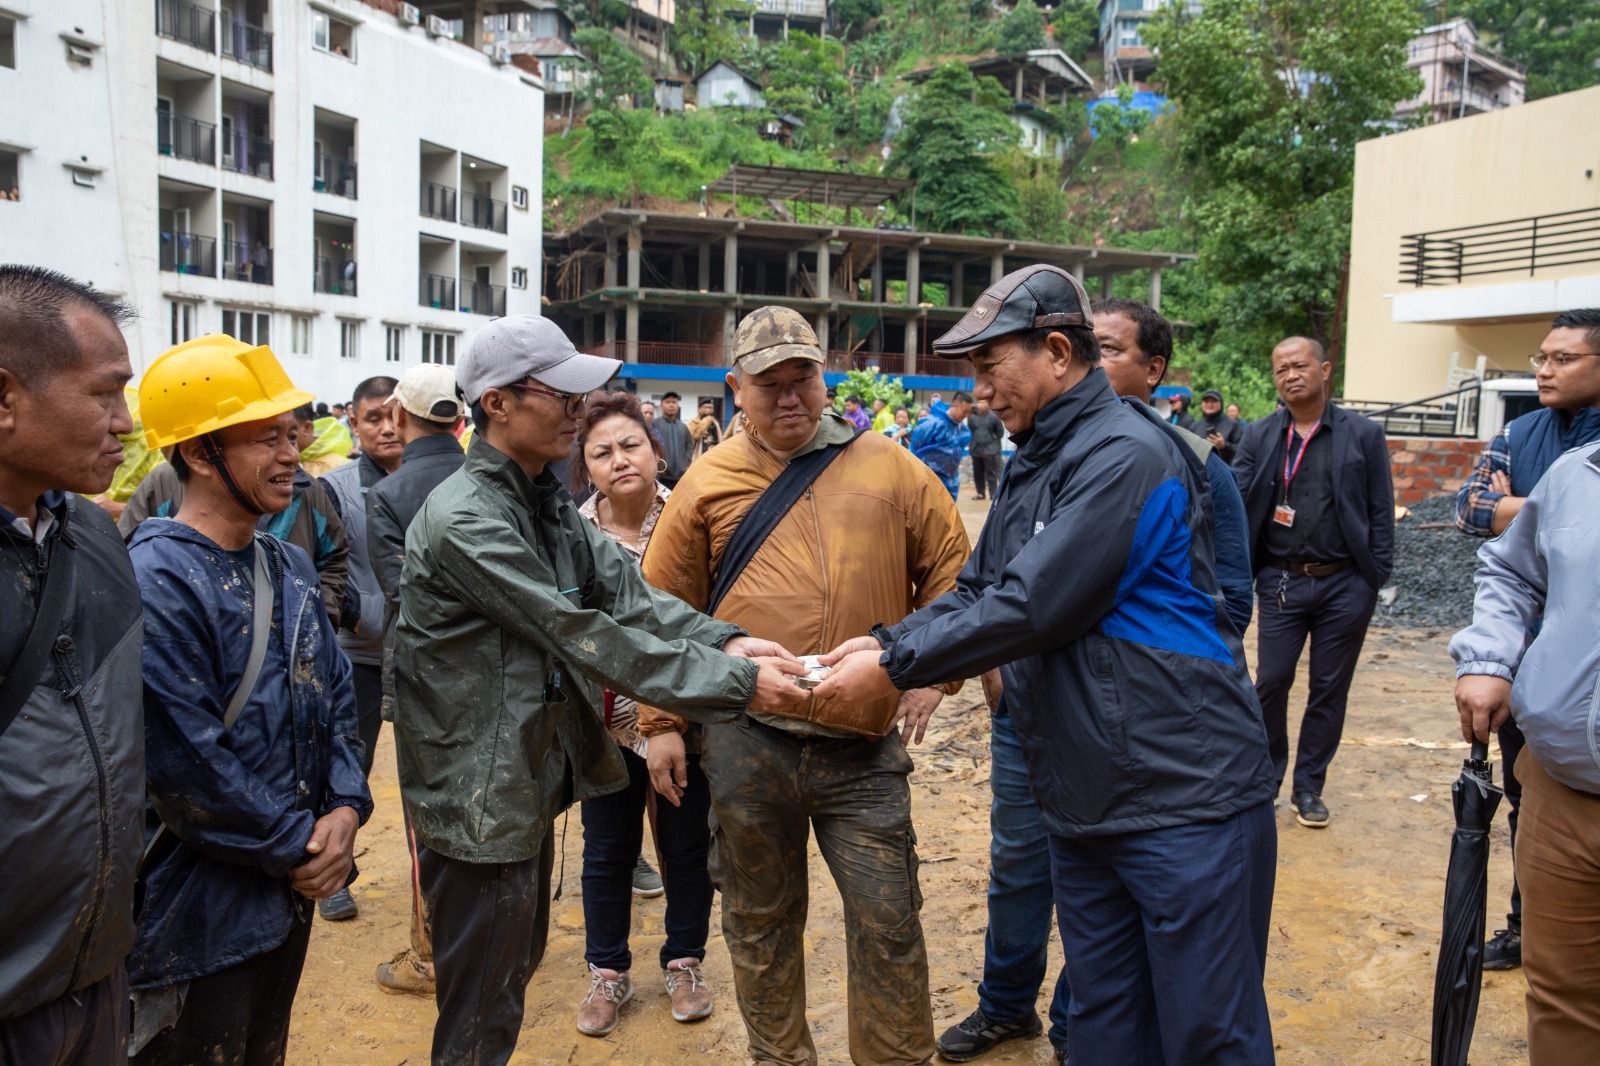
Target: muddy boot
691,995
600,1010
406,975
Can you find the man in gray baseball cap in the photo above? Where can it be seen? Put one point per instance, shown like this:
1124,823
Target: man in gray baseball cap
1092,588
515,614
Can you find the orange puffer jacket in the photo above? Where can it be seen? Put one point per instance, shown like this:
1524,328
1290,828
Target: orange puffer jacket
874,538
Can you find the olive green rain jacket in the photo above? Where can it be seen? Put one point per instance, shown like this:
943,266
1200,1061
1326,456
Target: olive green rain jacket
514,614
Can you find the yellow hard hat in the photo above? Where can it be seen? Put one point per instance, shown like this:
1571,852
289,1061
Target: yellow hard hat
210,383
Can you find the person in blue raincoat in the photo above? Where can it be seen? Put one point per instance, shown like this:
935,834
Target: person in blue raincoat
941,439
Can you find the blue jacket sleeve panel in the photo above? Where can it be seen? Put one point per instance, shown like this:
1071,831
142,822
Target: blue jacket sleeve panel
1231,543
1051,592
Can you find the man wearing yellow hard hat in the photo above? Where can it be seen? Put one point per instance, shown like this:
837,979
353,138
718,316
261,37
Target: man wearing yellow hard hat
252,755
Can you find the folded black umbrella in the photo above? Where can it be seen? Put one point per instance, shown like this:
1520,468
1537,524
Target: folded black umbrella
1459,978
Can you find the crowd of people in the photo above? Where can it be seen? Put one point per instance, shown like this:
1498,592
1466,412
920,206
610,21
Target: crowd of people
573,603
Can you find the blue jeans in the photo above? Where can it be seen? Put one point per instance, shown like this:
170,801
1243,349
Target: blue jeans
1021,899
1167,933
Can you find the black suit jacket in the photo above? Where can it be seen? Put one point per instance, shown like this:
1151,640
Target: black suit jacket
1362,486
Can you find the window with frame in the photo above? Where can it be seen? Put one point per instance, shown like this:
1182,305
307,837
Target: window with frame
300,335
394,338
332,35
519,197
8,42
519,277
252,327
10,175
438,348
349,339
183,316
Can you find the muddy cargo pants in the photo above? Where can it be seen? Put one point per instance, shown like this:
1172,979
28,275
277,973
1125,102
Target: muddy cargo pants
769,789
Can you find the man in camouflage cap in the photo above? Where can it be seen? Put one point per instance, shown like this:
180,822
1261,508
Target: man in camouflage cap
872,537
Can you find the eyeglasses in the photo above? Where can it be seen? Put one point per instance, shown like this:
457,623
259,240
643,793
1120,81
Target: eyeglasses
1562,360
572,402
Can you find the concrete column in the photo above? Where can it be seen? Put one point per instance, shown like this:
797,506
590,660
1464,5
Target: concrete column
1077,272
588,332
730,326
913,275
630,350
877,280
730,264
611,332
824,272
957,296
791,264
635,246
911,344
821,325
1155,288
997,267
1105,285
608,276
705,267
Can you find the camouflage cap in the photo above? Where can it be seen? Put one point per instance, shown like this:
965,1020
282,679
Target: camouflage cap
771,335
1031,298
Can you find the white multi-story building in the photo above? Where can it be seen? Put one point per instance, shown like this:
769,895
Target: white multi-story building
326,176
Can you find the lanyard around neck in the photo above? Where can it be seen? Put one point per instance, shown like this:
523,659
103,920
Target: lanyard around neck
1288,442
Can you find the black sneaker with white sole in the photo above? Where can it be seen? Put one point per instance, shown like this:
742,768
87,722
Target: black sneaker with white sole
1310,811
977,1034
1503,951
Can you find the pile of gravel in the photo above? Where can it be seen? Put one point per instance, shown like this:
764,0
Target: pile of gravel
1433,568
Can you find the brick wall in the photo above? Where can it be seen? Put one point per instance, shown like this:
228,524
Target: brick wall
1428,466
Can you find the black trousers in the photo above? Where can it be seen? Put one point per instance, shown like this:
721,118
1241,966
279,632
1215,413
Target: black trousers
238,1016
368,682
986,474
86,1028
1333,612
613,830
490,925
1511,744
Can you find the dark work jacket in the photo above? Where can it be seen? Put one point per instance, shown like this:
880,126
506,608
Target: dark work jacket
676,444
239,805
71,765
1363,487
1092,588
1540,437
1225,427
395,501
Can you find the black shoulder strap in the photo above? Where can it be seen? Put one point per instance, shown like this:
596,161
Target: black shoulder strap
54,592
759,522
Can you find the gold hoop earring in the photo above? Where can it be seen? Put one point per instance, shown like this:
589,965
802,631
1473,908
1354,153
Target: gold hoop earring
661,466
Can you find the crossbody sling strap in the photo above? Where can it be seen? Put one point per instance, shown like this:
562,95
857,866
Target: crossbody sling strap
260,632
769,509
54,592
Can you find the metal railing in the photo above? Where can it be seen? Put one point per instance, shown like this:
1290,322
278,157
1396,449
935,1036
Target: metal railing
1447,414
481,212
479,298
179,21
243,262
249,44
438,201
793,8
185,253
182,137
245,153
667,353
437,290
334,174
893,363
336,276
1523,245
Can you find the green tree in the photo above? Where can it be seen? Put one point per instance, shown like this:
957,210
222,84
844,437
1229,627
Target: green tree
1021,30
1272,96
617,72
1077,26
954,124
869,385
702,34
805,77
851,15
1558,41
1119,123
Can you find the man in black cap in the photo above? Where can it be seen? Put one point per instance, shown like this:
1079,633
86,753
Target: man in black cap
1093,589
1216,427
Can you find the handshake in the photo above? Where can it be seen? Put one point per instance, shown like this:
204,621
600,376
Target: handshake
848,672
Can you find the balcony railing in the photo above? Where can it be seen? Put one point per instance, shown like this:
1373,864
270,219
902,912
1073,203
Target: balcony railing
241,261
245,153
185,253
182,137
185,22
480,212
336,276
1520,246
479,298
249,44
1449,414
673,353
793,8
438,201
436,290
335,175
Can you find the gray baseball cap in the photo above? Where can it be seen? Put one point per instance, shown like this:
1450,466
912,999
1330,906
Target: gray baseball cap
1031,298
519,346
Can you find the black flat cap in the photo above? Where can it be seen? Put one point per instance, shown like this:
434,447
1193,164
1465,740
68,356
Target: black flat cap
1031,298
1211,394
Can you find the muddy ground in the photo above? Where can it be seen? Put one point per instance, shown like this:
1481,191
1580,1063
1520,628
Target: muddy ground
1355,924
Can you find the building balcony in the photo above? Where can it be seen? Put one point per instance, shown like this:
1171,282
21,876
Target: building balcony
672,353
479,298
242,262
438,201
244,153
187,253
438,291
180,21
809,9
182,137
334,175
480,212
335,276
249,44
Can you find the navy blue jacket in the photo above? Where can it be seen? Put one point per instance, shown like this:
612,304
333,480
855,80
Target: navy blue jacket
1363,486
239,806
1092,587
1232,542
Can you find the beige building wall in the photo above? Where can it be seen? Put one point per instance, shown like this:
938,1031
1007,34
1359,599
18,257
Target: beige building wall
1538,159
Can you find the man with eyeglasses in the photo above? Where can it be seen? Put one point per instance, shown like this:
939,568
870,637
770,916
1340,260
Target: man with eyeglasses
1567,371
514,614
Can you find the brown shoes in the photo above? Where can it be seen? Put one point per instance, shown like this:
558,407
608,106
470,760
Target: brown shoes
406,975
691,995
599,1012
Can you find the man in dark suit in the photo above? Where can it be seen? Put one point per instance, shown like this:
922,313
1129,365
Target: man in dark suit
1319,500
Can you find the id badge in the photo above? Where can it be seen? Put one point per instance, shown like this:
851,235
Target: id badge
1283,515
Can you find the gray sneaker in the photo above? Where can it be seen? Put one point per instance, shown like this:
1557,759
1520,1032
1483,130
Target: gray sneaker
601,1009
339,907
646,882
